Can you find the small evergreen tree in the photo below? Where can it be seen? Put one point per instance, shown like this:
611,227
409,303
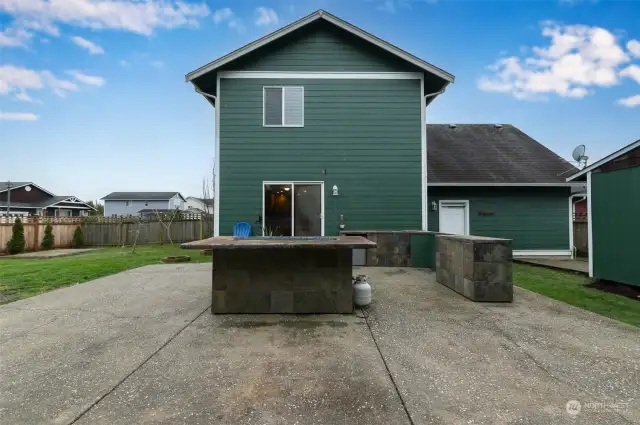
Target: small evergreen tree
48,239
16,243
78,238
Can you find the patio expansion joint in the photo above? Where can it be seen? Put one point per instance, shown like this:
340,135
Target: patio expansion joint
386,366
167,342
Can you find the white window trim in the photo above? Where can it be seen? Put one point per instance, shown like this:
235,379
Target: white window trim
455,202
264,109
293,189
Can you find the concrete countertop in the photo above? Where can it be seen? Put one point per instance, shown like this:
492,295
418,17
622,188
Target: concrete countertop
229,242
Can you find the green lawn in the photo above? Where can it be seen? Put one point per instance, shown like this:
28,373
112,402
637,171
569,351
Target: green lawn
570,288
24,278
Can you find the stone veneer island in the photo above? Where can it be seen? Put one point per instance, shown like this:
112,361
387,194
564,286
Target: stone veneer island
282,275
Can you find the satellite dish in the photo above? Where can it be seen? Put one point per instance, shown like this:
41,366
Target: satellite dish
27,188
579,156
578,153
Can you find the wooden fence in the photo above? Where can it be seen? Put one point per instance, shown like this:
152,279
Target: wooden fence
581,238
103,231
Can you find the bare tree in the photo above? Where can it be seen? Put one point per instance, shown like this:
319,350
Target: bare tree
167,226
208,191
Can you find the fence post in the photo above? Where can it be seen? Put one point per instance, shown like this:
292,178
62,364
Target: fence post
36,233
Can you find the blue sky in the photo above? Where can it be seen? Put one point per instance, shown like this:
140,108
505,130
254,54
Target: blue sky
93,98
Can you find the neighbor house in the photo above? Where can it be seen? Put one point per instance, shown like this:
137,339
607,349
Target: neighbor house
613,214
27,198
198,205
495,180
320,127
136,203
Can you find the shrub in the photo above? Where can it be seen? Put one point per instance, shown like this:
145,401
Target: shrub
47,240
78,238
16,243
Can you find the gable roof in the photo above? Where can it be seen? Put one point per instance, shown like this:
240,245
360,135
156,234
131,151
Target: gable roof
606,159
490,155
205,201
141,196
315,16
4,186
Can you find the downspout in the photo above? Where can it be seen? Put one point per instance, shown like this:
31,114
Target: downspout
571,203
216,150
425,165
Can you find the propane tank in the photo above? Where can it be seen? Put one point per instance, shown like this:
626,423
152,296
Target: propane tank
361,291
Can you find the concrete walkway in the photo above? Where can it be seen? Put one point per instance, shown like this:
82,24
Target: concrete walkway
579,266
62,252
141,348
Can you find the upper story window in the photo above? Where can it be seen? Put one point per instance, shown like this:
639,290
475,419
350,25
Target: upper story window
283,107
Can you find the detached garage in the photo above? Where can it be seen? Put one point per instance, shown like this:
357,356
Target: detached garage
494,180
613,213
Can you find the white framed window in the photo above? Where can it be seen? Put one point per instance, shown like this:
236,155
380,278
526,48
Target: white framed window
283,106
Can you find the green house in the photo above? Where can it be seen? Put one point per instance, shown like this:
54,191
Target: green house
613,199
320,127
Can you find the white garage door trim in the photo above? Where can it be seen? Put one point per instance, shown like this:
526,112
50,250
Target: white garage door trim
456,203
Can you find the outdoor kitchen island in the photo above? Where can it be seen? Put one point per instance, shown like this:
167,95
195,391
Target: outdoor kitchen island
282,274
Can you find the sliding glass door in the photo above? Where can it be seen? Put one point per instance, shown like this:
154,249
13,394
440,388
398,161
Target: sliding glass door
293,209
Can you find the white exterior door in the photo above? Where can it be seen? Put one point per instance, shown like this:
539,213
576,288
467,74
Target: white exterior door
454,217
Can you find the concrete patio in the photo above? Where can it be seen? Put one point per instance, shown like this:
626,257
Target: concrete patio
140,347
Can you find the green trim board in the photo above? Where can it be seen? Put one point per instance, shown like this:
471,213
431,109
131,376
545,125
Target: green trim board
615,215
534,218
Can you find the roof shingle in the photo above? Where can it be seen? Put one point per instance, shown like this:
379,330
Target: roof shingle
489,153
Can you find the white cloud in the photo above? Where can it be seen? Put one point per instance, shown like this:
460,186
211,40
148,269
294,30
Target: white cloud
15,80
57,86
387,6
630,102
222,15
632,71
232,21
124,63
266,17
24,97
91,47
92,80
634,48
18,116
157,64
577,60
142,17
14,37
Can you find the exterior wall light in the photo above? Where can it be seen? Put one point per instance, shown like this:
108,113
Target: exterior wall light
335,190
434,206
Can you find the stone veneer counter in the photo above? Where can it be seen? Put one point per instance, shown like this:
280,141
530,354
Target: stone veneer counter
282,275
480,268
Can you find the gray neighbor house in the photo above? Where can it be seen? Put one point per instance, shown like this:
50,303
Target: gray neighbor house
320,127
136,203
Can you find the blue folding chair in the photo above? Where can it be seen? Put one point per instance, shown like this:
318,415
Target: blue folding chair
241,230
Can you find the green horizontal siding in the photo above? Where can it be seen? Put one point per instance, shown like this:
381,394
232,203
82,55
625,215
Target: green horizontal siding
321,47
615,204
534,218
367,147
